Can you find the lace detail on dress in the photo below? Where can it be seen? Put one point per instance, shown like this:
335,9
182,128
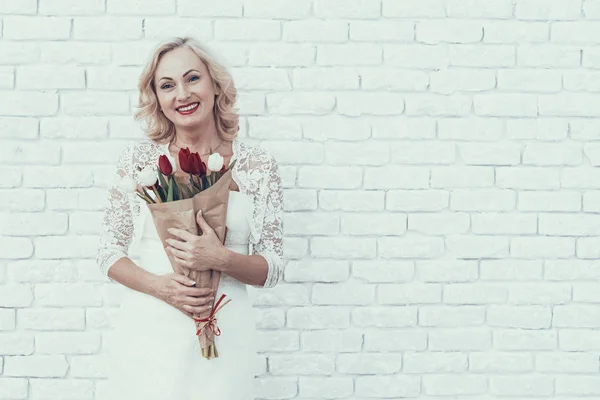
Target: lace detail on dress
256,174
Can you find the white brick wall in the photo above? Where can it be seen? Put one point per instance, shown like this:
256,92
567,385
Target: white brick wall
439,163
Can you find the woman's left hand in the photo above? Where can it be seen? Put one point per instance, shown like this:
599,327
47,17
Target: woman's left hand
200,253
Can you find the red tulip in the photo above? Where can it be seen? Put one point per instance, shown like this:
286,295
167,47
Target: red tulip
202,168
223,170
184,160
165,165
195,164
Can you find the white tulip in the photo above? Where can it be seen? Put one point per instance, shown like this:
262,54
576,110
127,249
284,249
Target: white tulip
173,163
147,177
127,184
215,162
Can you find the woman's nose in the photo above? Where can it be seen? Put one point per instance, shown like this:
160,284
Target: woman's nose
182,93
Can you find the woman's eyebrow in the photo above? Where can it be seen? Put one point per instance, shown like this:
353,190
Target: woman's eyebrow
166,77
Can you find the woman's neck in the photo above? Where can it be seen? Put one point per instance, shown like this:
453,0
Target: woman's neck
199,139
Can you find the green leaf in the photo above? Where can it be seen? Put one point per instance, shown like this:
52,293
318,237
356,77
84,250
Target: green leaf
176,193
186,190
170,194
163,181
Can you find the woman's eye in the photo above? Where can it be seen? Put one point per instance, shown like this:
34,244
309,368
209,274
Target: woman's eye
194,78
165,86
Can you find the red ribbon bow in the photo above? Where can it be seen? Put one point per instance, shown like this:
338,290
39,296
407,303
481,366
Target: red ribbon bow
211,321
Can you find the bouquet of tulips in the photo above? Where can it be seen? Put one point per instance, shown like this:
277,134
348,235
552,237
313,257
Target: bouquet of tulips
174,202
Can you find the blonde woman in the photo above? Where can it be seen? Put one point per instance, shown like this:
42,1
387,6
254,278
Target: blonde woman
187,99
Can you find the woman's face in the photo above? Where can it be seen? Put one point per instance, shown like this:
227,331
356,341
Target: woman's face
184,88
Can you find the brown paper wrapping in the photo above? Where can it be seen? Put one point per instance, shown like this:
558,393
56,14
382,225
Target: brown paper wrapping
181,214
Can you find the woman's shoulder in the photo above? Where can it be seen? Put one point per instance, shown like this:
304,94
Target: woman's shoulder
253,155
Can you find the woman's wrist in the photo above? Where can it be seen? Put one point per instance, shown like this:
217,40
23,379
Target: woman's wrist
228,256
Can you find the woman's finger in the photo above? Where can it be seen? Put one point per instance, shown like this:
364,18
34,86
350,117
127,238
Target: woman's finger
198,301
178,244
178,253
181,234
195,309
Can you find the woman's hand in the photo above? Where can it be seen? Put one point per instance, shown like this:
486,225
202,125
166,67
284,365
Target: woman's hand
178,291
199,253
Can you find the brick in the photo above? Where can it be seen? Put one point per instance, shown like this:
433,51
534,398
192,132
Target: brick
329,177
394,177
506,105
333,294
501,9
301,364
416,56
37,366
300,103
548,56
529,385
315,31
382,31
27,153
28,104
247,30
515,32
36,28
500,362
348,340
481,56
338,128
71,7
438,105
360,9
531,80
94,103
325,78
355,200
327,386
107,29
462,80
511,270
450,385
14,388
384,317
141,7
16,248
345,54
281,55
416,200
317,271
394,386
449,31
318,318
500,153
548,10
33,224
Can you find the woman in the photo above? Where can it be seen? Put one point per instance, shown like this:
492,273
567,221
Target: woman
187,99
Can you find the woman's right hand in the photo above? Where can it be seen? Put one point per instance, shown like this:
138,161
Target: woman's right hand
178,291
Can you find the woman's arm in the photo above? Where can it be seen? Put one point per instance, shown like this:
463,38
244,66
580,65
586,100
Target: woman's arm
117,232
129,274
264,268
251,270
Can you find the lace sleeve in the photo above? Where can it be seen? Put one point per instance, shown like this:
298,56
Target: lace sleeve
270,244
117,224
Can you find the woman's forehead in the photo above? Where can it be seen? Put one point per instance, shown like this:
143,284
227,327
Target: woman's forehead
177,62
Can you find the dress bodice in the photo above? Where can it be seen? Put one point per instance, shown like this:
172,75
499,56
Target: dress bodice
239,210
255,220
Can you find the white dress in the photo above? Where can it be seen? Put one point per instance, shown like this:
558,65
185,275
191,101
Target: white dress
153,351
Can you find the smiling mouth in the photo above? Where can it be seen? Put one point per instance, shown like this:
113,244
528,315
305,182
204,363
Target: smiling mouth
189,108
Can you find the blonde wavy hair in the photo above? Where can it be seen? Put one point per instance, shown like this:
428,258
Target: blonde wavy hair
158,126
